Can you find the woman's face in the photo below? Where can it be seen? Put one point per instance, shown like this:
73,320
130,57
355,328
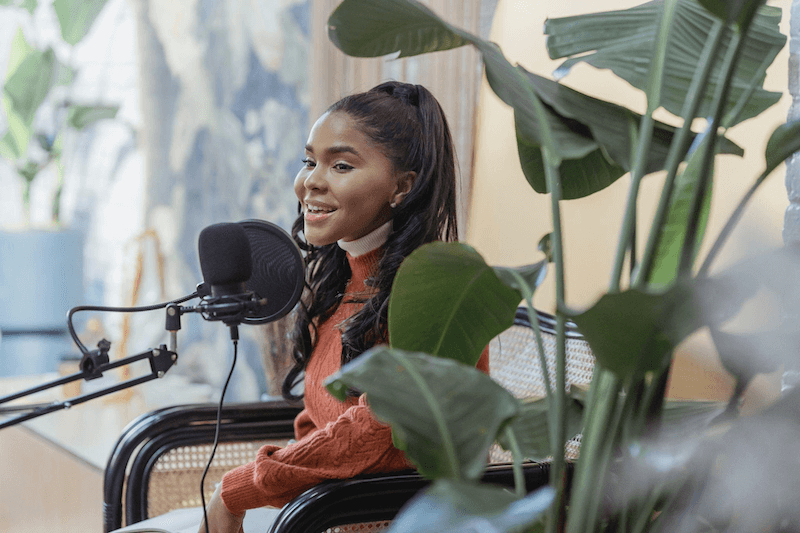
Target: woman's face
346,183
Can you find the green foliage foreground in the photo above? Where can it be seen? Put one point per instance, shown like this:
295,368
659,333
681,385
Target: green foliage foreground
645,464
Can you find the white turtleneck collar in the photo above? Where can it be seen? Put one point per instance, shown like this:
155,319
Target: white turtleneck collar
368,242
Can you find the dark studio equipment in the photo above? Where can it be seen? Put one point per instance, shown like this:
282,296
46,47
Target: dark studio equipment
253,273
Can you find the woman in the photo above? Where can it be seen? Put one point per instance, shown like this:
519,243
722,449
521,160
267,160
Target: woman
378,181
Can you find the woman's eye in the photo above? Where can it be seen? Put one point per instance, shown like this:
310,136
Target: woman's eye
308,162
342,166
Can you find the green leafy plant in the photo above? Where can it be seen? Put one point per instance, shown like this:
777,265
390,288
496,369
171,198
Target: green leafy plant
695,58
31,75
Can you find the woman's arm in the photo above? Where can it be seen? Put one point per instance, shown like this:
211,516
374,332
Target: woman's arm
356,443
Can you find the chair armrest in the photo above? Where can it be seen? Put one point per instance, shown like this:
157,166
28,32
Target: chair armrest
147,437
376,497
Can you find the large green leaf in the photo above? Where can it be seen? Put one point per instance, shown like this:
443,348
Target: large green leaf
20,49
623,41
10,146
739,12
610,124
81,116
580,177
447,301
783,142
444,415
531,429
28,80
668,253
452,507
30,5
76,17
28,86
632,332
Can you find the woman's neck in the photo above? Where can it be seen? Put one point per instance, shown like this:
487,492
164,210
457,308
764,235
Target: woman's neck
368,242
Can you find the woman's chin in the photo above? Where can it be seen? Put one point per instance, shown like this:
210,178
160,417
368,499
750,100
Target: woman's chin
318,240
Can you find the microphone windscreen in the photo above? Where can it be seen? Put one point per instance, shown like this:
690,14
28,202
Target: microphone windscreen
225,256
278,270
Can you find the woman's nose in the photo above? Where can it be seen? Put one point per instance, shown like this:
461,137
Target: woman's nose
315,179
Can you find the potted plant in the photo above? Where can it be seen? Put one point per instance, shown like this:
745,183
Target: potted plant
41,265
447,302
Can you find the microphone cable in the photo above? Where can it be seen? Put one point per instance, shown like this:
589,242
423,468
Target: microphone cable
235,340
71,326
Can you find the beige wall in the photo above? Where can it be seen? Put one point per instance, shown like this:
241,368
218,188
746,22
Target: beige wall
508,218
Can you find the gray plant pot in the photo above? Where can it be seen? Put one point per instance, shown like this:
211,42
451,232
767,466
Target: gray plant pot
41,278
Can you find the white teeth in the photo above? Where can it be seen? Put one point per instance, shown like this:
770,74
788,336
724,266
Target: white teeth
315,209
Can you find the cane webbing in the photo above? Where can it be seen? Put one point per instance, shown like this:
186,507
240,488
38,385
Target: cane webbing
514,362
175,479
366,527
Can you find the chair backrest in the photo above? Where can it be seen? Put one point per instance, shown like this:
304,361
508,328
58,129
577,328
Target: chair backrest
514,362
158,461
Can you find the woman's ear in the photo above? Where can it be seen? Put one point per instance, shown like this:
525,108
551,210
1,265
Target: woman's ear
405,182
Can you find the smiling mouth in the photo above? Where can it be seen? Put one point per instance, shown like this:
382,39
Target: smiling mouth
314,213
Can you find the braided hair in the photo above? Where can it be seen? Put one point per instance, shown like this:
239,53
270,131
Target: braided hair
409,126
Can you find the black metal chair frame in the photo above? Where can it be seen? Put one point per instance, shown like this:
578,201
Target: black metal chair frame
363,499
152,435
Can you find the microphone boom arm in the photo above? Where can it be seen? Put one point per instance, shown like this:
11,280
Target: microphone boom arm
93,365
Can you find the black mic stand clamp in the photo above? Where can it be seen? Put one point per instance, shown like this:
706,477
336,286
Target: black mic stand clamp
92,362
92,365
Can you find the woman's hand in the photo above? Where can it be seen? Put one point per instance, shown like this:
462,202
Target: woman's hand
220,520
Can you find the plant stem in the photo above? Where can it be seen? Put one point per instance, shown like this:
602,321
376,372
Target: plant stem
677,149
533,318
646,511
26,202
438,416
519,478
729,225
559,437
653,92
720,99
729,119
629,221
602,405
56,207
552,162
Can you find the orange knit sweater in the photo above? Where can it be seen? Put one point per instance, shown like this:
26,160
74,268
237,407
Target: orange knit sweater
335,440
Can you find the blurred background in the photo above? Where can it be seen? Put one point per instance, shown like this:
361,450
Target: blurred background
127,126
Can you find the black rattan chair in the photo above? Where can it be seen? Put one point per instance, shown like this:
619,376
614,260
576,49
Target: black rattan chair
158,461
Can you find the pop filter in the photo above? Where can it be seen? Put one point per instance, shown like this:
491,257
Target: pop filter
278,270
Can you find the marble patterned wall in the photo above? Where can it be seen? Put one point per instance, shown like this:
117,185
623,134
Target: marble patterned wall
224,112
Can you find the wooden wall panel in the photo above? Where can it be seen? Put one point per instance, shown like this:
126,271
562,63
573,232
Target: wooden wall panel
453,76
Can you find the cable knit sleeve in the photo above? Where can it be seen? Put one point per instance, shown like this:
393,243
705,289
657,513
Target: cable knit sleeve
356,443
303,425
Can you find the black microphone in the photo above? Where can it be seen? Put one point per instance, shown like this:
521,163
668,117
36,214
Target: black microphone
226,264
253,273
225,258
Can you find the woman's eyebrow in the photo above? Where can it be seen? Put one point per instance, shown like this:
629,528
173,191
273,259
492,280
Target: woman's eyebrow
333,150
